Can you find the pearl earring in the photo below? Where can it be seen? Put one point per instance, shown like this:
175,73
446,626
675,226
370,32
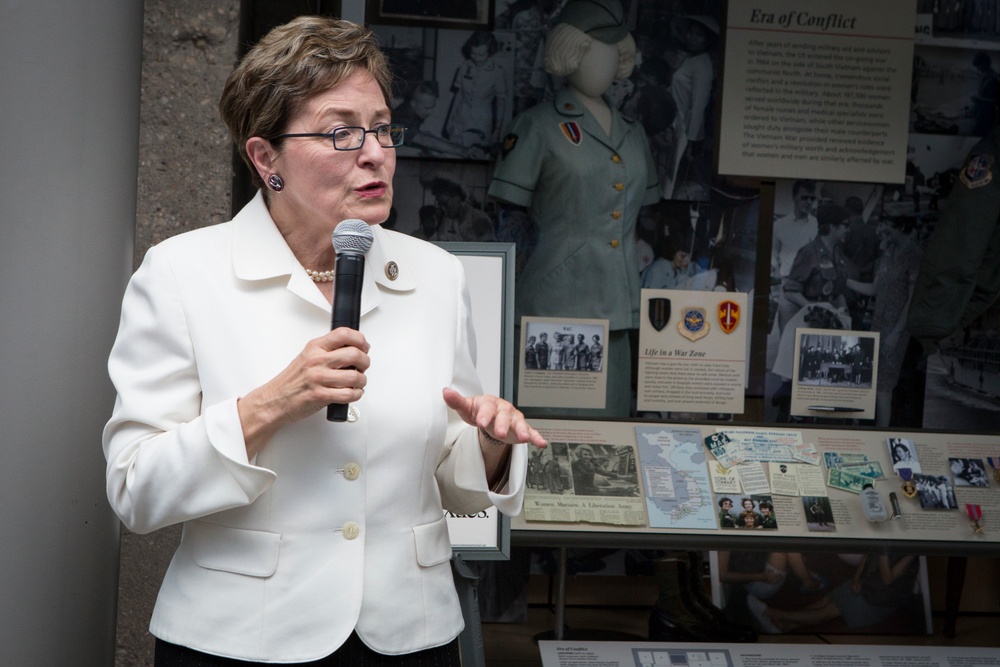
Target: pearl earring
275,183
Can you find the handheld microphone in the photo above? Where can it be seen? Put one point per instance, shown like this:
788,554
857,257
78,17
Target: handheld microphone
351,240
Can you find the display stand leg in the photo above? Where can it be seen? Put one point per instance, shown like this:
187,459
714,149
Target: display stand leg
559,631
559,625
953,592
471,640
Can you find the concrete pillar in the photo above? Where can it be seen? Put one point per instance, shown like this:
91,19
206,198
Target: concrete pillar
70,73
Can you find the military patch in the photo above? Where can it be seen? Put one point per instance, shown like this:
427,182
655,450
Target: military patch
693,324
571,131
659,312
978,171
508,143
729,316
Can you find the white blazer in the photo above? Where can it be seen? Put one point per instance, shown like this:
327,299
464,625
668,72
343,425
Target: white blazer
334,526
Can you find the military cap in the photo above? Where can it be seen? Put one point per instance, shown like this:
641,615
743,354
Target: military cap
603,20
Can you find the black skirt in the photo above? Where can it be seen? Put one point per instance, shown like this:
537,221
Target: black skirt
353,653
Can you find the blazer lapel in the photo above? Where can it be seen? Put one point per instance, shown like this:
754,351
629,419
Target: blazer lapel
385,269
260,253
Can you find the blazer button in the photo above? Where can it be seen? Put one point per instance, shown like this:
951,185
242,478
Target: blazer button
351,530
352,414
352,471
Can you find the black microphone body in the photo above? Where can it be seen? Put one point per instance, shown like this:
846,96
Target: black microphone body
351,240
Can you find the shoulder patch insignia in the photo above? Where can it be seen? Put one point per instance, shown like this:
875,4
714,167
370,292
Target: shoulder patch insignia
571,130
508,143
978,171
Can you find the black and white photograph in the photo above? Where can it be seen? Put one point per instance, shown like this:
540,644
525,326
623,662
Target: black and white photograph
810,264
835,374
560,346
707,245
603,470
903,454
836,361
549,470
440,13
935,492
818,514
968,472
674,90
933,164
963,378
962,22
452,89
953,91
443,201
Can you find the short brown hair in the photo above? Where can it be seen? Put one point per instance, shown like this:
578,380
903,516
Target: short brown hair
288,66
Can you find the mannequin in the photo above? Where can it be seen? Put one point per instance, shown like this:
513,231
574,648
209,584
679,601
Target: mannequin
592,77
582,170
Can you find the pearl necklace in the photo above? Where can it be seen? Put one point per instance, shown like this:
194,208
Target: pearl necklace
320,276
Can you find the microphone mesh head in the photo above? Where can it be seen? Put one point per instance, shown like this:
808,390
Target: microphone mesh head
353,237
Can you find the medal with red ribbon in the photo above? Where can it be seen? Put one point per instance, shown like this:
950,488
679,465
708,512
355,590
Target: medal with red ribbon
995,464
975,513
909,488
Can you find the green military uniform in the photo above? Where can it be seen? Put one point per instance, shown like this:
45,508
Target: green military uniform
959,278
584,190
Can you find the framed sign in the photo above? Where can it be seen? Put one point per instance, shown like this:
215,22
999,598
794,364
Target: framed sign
489,270
449,14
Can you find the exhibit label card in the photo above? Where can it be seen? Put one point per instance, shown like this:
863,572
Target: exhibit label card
835,374
692,351
562,363
817,90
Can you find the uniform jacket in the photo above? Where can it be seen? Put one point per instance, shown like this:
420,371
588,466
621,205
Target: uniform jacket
333,526
584,190
959,277
819,273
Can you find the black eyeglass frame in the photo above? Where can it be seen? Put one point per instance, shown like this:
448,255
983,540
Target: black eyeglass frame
332,136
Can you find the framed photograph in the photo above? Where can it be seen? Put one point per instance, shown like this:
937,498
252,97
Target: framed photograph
489,270
836,373
471,14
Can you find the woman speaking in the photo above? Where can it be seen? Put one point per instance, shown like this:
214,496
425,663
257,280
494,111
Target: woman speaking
306,541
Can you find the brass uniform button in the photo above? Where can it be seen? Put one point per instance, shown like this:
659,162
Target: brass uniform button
614,243
619,187
616,159
617,215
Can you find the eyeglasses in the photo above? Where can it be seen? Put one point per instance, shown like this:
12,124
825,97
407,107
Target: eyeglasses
353,138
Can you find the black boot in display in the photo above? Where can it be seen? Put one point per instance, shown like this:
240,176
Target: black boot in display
671,619
726,630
